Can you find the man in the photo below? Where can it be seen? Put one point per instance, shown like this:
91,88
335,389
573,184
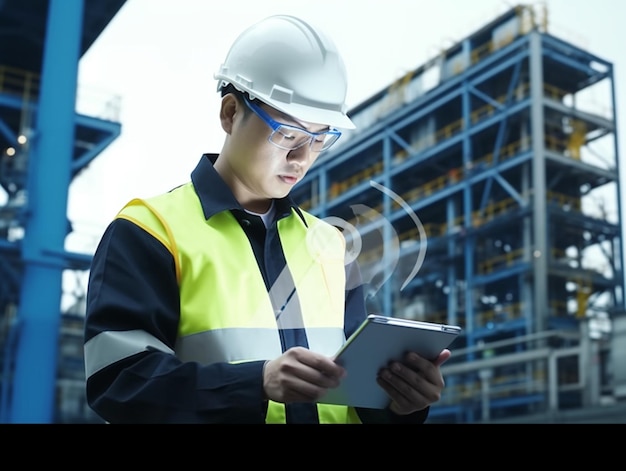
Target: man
221,301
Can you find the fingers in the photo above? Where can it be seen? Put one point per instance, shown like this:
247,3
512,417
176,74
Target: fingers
300,375
443,357
414,383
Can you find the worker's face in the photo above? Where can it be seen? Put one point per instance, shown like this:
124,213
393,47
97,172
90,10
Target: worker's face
264,169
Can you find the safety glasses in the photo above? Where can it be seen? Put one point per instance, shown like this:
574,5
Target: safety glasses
290,137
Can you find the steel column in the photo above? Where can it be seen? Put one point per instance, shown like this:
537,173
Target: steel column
34,386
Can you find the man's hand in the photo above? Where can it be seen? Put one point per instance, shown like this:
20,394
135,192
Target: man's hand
414,383
300,375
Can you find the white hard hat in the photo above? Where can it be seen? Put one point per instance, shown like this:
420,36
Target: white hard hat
293,67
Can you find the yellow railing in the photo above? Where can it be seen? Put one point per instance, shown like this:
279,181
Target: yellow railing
26,86
19,82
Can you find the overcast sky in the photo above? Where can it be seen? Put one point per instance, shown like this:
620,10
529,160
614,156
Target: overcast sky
159,57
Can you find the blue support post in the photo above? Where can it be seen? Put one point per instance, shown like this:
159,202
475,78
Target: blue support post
39,313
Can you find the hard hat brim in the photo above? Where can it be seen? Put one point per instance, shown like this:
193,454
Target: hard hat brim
309,114
334,119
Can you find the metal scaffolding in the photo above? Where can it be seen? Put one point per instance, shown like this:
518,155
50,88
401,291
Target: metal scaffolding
44,144
474,184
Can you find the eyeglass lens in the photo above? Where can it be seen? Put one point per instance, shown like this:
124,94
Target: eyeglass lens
291,138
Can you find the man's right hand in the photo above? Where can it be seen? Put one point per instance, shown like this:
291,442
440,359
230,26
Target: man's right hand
300,375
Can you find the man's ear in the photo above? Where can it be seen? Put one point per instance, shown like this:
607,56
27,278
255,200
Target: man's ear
229,107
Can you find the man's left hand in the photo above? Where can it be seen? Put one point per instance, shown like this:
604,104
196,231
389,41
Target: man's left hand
413,383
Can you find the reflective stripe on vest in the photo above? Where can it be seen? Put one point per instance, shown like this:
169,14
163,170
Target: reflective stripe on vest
218,273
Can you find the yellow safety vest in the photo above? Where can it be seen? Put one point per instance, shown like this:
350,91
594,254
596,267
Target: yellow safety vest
225,312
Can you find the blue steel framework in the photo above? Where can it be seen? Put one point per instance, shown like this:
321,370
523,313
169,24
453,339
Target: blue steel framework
484,158
45,143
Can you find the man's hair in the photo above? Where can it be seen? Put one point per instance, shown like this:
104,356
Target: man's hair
240,96
230,89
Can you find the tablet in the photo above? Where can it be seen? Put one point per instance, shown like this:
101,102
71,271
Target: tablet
377,341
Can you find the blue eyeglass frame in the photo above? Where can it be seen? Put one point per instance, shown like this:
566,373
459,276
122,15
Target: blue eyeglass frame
275,125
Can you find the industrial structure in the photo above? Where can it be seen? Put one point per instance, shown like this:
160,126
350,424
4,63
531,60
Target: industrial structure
45,142
476,190
481,189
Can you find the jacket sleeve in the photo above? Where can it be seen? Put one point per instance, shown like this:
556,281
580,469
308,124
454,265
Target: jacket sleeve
131,327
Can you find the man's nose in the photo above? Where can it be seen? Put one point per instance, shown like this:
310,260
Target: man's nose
301,154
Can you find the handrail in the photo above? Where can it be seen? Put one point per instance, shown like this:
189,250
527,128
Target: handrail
26,85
